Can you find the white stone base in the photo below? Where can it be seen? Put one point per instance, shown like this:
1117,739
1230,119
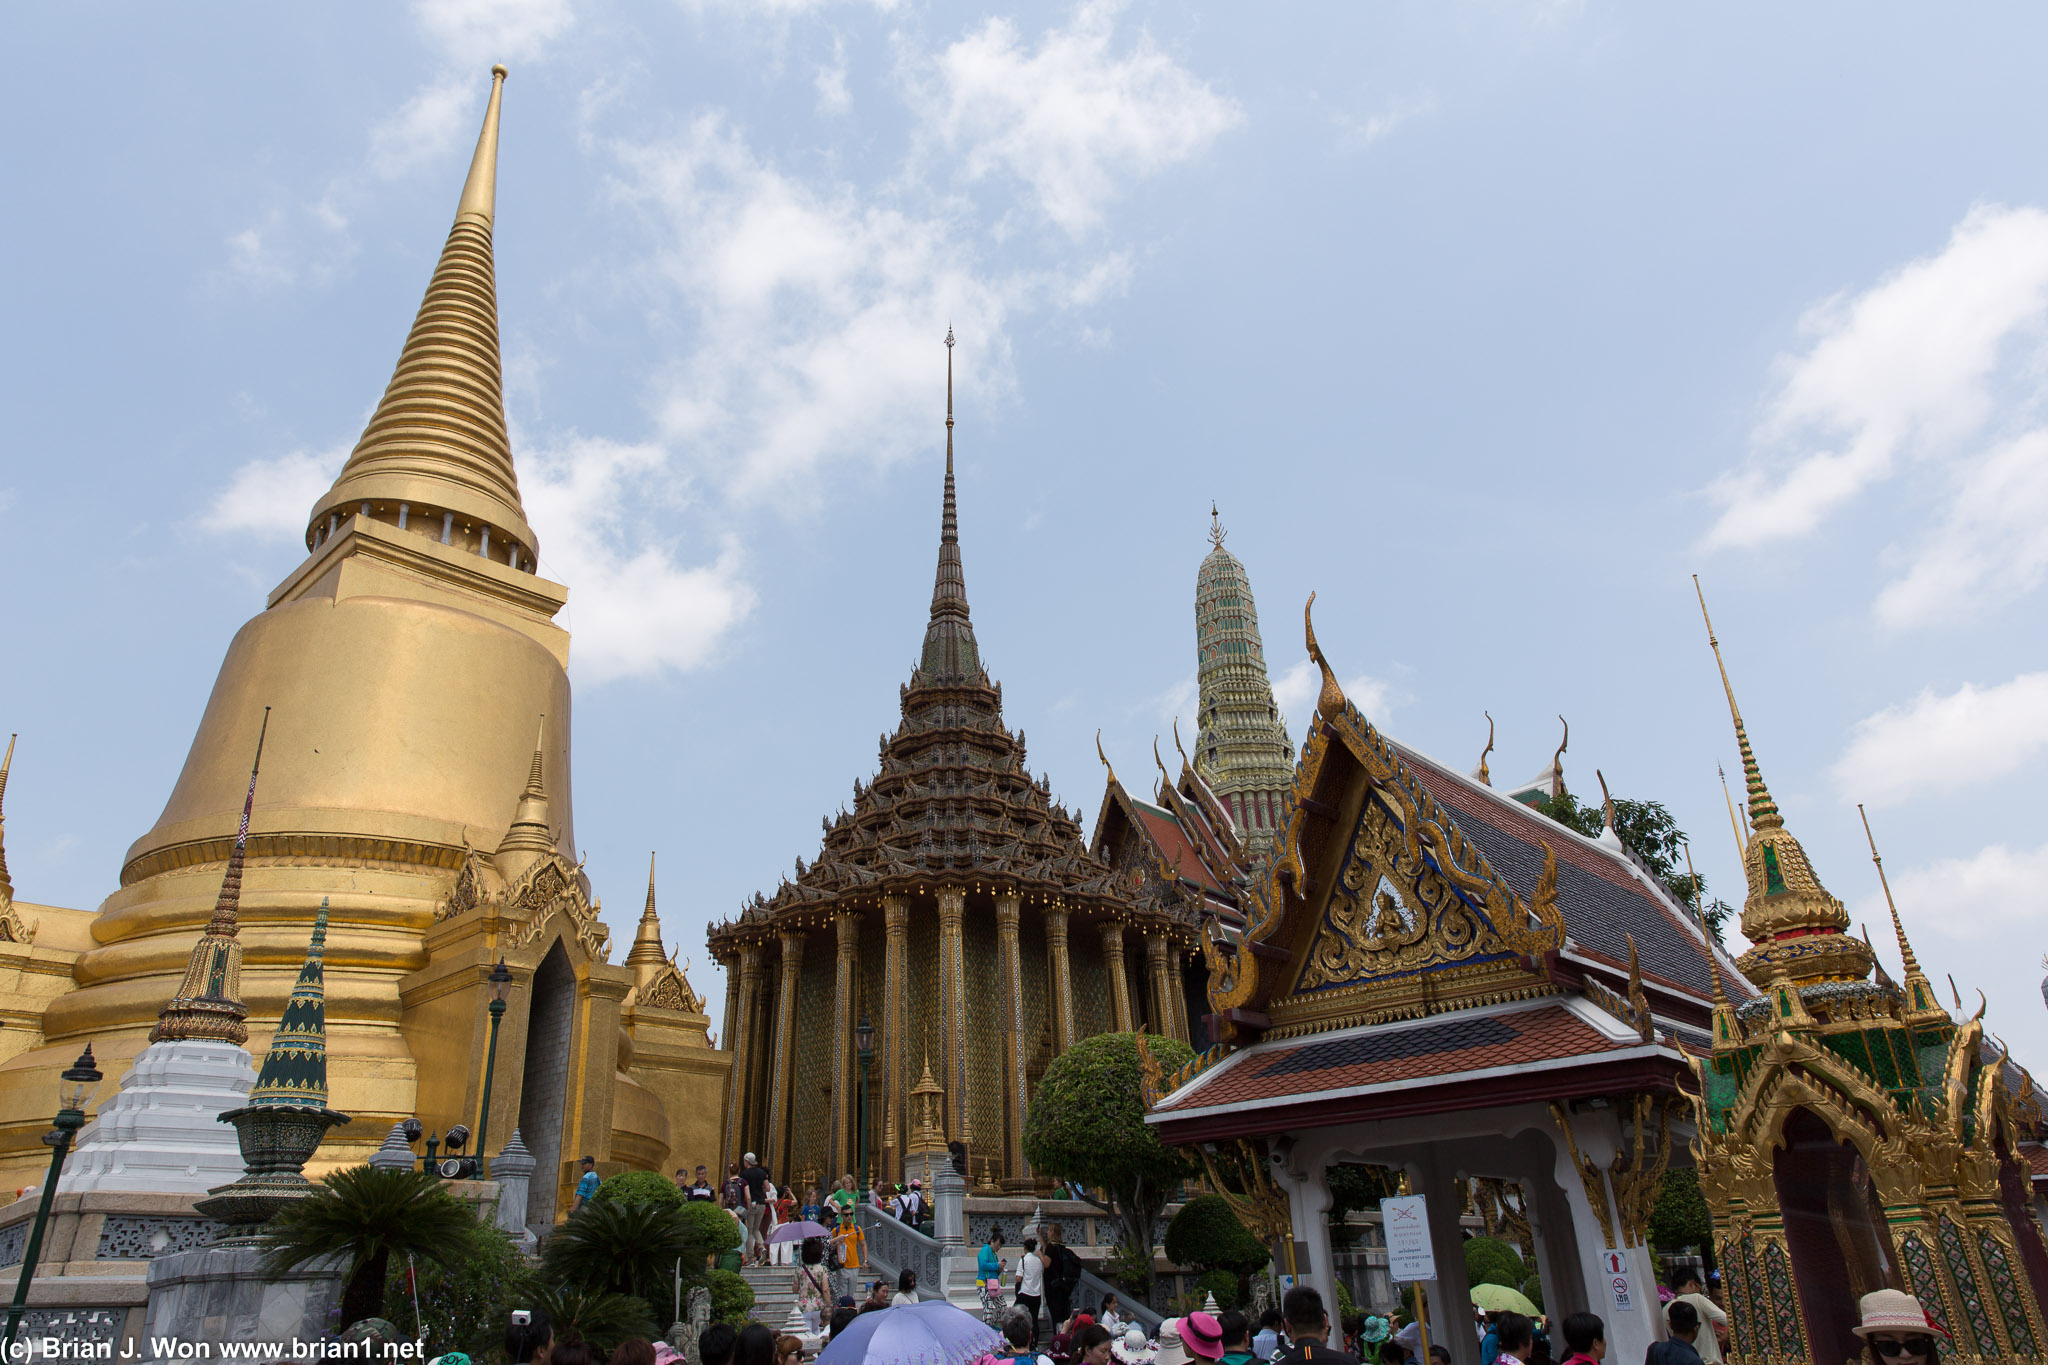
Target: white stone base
162,1134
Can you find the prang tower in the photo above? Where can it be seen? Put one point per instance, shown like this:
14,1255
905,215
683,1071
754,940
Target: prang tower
1242,750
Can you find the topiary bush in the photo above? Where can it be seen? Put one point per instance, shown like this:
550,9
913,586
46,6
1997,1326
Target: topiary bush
641,1187
1206,1235
709,1228
1488,1260
732,1298
1221,1283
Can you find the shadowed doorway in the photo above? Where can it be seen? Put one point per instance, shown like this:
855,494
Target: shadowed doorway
545,1081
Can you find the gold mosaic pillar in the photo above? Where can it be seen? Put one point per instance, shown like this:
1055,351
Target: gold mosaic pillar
895,1032
1060,976
782,1084
953,991
1119,984
844,1079
1177,997
1155,974
739,1039
1011,977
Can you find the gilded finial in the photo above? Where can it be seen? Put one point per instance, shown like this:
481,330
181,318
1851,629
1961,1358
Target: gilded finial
1483,774
6,881
1557,760
648,913
1762,809
1159,763
1921,1005
1216,531
1185,765
1330,701
534,784
1104,757
1606,803
480,191
1734,820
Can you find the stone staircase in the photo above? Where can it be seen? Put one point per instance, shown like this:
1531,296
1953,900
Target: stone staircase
773,1293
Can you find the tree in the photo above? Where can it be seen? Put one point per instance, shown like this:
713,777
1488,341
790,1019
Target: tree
1653,835
462,1302
374,1217
598,1318
620,1247
1206,1235
1488,1260
1680,1218
1087,1124
1355,1186
642,1187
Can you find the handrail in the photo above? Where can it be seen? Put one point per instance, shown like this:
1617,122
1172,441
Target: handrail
896,1245
1088,1298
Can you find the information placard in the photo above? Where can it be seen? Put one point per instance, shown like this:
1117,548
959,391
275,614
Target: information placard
1614,1266
1406,1220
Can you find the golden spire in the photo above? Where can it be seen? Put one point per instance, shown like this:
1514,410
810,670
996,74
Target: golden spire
208,1006
1734,820
1921,1005
1726,1027
1796,926
1482,774
6,881
1216,531
1606,805
437,442
528,839
647,949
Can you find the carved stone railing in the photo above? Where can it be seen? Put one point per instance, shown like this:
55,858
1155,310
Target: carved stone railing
895,1246
1088,1298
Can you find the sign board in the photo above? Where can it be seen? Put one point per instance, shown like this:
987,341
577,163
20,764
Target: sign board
1406,1221
1615,1270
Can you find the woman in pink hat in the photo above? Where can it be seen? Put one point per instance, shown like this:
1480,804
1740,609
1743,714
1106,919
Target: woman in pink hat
1202,1334
1896,1329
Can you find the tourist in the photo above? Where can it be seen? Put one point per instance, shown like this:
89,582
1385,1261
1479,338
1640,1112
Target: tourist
788,1350
1308,1327
785,1212
1489,1342
1516,1335
572,1353
1896,1329
1439,1354
847,1248
634,1350
1063,1348
1062,1273
700,1190
878,1297
756,1345
809,1282
1110,1315
812,1211
735,1193
1091,1345
1585,1337
1269,1340
1031,1284
1684,1322
1131,1348
1237,1338
1202,1334
586,1184
1714,1322
842,1197
1172,1350
716,1343
528,1336
906,1286
988,1275
754,1176
842,1318
1018,1332
913,1204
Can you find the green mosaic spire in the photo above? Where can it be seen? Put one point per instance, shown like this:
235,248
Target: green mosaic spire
1242,750
295,1069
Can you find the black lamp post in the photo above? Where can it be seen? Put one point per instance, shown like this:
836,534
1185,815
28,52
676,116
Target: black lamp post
78,1086
501,986
864,1048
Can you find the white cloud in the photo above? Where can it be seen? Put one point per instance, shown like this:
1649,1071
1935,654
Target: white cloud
1356,134
480,32
1296,690
1179,701
1944,743
1991,545
1987,894
270,500
830,80
633,610
1073,119
425,128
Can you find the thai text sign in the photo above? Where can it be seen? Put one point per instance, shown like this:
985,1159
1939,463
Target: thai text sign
1406,1220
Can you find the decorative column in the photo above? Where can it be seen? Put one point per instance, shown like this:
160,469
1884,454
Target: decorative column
953,991
740,1041
844,1079
896,1118
782,1080
1176,993
1060,976
1155,975
1119,984
1010,968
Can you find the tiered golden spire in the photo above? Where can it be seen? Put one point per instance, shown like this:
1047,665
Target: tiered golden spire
437,442
1922,1006
647,950
528,839
1797,927
208,1006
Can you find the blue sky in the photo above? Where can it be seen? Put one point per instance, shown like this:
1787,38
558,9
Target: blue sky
1489,324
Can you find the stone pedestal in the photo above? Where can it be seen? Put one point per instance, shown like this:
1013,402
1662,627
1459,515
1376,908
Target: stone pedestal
512,1168
219,1294
162,1134
949,1207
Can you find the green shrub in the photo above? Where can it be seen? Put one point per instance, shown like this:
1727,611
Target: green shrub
1221,1283
1345,1307
708,1228
600,1319
732,1298
462,1303
1488,1260
617,1246
1206,1235
641,1187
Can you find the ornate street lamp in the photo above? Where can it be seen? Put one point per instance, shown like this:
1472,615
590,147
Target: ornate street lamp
78,1085
501,986
864,1048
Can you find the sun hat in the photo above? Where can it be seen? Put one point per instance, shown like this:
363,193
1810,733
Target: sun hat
1131,1348
1202,1335
1890,1310
1171,1351
1374,1330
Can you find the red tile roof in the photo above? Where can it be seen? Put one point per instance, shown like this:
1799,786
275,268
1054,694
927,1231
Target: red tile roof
1174,843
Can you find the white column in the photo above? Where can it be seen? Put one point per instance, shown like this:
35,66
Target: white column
1450,1298
1308,1205
1629,1334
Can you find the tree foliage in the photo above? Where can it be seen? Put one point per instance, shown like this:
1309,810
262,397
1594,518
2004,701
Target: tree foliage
641,1187
1355,1186
1489,1260
620,1247
1224,1284
1087,1124
374,1217
1652,834
732,1298
1680,1217
595,1316
1206,1235
463,1301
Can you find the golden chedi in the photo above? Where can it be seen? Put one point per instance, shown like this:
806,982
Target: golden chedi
409,662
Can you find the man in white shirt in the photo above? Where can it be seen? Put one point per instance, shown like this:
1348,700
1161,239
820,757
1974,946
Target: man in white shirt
1713,1322
1031,1284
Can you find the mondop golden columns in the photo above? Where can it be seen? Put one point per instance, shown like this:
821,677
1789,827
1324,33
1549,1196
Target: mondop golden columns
409,662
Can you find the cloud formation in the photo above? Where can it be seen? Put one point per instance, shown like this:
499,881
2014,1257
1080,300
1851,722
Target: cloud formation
1074,119
1295,692
1939,364
1986,894
269,500
1938,744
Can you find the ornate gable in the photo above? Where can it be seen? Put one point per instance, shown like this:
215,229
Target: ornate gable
550,884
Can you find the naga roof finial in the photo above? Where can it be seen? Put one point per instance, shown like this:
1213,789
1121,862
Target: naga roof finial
1482,774
1329,701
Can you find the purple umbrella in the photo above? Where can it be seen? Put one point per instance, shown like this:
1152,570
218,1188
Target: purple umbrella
930,1333
797,1232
